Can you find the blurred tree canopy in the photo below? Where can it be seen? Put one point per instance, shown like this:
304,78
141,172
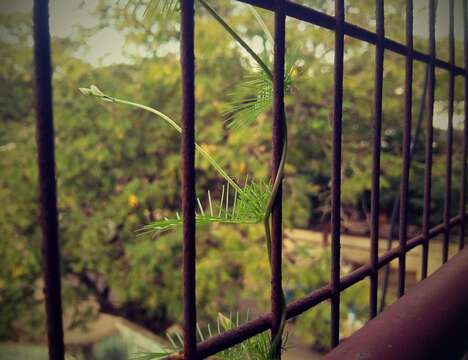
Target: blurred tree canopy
118,168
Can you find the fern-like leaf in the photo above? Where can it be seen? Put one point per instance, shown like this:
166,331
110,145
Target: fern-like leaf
254,95
250,98
151,355
254,348
161,7
234,207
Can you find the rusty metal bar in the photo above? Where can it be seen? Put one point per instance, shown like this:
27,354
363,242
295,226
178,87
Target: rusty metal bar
376,147
448,163
396,203
187,62
415,241
278,133
465,132
309,15
336,173
429,140
47,182
403,228
430,322
262,323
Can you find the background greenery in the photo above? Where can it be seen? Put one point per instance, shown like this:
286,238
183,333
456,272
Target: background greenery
118,168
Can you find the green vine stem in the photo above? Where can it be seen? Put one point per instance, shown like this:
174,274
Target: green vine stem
267,222
94,91
261,23
236,37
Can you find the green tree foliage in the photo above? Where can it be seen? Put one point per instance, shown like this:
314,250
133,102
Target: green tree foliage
118,167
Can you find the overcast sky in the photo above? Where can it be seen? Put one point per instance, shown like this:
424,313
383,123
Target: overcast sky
65,16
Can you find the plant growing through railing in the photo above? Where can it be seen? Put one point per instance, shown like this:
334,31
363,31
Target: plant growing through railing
254,348
253,201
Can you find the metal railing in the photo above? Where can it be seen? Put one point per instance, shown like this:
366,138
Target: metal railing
47,183
337,284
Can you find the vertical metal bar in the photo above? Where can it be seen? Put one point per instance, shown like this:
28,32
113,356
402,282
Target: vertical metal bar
187,62
396,203
47,183
465,133
448,163
406,149
336,173
376,147
429,140
390,238
278,133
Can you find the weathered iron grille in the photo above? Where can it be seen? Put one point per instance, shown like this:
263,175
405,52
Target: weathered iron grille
341,28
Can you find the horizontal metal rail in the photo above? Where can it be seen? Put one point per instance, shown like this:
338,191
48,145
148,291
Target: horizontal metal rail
315,17
297,307
429,322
